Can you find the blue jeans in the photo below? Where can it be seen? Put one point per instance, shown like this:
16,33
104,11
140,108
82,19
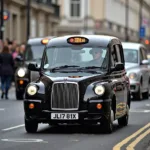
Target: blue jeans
5,83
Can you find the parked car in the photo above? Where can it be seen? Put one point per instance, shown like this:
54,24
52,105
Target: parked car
82,80
33,53
136,64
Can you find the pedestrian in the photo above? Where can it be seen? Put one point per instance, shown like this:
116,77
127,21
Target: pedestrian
16,52
6,71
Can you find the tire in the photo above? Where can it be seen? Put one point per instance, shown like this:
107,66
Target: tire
31,126
19,95
107,124
138,95
149,87
123,121
146,95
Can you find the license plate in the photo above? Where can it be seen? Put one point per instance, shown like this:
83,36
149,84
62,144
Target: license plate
64,116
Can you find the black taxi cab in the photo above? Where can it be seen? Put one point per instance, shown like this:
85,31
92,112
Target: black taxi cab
33,53
82,80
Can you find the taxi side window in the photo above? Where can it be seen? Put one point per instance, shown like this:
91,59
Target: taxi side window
116,55
144,53
141,55
28,53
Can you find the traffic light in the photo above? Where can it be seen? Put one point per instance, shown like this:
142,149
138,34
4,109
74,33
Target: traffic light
5,15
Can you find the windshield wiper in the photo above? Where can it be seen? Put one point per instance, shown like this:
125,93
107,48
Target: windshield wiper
62,67
92,67
88,69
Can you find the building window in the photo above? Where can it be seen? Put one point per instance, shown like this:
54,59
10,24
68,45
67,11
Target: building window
110,25
54,1
75,8
41,29
33,27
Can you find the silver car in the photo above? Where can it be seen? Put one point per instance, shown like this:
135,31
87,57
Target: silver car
136,64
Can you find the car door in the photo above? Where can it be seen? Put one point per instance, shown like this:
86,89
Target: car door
119,80
145,70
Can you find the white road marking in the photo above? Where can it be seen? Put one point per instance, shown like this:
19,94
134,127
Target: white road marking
148,105
75,140
11,128
2,109
25,140
140,111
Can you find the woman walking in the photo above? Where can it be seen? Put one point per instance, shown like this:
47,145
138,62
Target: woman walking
6,71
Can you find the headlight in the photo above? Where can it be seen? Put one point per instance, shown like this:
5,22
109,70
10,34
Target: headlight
31,90
99,90
21,72
132,75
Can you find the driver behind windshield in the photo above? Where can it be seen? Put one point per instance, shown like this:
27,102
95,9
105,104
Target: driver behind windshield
97,56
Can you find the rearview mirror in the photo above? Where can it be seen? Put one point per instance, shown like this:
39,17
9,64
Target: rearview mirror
33,67
145,62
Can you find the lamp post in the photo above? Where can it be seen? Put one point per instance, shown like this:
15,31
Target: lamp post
85,17
140,17
28,19
2,21
127,20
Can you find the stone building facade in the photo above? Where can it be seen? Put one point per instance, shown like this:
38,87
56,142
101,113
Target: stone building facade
44,19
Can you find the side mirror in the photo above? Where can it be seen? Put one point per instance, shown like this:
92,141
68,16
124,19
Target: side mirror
19,59
118,67
145,62
33,67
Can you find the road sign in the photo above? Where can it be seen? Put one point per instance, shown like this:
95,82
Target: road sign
142,32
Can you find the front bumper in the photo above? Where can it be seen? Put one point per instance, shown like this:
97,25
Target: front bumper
91,114
134,86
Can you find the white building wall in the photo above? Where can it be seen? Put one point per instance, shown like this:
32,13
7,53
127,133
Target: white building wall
115,12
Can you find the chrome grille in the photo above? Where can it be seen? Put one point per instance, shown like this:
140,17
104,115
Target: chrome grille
65,96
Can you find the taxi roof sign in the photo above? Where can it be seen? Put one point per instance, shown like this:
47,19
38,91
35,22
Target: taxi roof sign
45,41
77,40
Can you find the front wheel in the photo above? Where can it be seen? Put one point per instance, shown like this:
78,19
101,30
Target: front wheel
123,121
31,126
146,95
19,95
138,95
107,124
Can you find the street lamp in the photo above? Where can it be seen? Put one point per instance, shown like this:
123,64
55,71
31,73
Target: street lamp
2,21
85,17
127,20
28,19
140,17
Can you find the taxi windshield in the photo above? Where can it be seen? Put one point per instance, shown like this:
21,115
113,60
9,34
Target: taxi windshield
131,55
34,52
76,57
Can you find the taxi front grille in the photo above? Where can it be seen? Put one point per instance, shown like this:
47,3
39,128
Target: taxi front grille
65,96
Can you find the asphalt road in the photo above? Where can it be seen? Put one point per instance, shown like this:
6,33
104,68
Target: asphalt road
14,137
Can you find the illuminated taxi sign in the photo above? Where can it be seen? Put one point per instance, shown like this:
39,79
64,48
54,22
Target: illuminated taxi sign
77,40
45,41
